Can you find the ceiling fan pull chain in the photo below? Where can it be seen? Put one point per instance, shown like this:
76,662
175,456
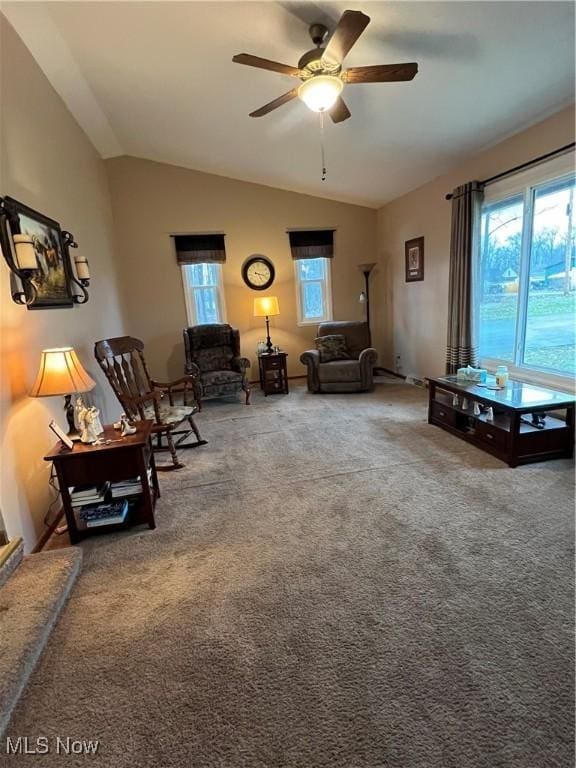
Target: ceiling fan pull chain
322,152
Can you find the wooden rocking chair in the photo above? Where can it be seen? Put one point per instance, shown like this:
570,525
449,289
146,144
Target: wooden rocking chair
122,360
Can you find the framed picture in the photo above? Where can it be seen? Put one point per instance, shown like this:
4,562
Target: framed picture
54,273
62,435
414,255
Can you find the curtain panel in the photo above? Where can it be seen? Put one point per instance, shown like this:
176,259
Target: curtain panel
466,211
200,249
312,244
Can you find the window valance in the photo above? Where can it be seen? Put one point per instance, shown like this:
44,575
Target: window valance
312,244
200,249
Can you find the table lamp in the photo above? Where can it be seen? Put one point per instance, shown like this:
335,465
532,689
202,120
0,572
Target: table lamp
266,306
61,373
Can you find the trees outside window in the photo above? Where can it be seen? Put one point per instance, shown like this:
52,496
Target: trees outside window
203,293
313,290
526,279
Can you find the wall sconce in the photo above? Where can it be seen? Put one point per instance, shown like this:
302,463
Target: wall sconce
82,277
23,263
21,254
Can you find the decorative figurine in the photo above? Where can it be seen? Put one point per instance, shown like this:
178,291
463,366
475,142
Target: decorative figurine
455,401
98,428
79,409
118,424
477,409
89,434
126,428
464,404
490,413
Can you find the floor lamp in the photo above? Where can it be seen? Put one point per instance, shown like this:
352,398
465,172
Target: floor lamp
365,294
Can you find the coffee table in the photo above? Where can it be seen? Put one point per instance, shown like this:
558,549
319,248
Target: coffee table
511,435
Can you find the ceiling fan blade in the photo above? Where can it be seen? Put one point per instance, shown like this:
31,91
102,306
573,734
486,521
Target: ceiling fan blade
381,73
339,111
275,104
348,30
273,66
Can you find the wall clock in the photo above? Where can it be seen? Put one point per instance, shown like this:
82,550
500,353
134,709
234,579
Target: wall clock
258,273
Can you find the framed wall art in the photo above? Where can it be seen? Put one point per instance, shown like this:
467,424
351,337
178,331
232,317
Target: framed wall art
414,256
53,275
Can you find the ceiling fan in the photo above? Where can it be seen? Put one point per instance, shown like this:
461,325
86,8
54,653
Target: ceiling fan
321,69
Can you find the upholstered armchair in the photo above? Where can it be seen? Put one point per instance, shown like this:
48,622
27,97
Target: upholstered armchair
213,358
352,374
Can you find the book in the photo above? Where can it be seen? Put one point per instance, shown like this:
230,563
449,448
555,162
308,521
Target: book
130,487
88,501
83,491
104,514
82,495
107,521
118,493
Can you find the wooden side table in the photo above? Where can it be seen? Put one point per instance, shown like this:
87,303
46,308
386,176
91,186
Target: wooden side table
123,459
273,373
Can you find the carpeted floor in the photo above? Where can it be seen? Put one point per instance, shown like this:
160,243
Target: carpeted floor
332,583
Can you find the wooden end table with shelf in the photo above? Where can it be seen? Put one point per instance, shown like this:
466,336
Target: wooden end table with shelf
123,459
273,373
508,436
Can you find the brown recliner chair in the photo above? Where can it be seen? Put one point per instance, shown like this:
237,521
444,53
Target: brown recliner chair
353,375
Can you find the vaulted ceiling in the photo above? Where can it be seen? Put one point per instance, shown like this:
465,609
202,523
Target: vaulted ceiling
156,80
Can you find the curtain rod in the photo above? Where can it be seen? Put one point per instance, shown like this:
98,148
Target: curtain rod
522,166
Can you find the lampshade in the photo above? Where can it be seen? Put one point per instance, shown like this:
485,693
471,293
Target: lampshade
320,93
60,373
266,306
367,267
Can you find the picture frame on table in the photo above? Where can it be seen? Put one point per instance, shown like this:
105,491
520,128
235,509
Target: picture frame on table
414,257
61,435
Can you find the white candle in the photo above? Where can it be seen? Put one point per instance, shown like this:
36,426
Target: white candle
82,268
25,253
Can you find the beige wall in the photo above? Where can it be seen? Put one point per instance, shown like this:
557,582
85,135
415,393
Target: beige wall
46,162
152,200
413,316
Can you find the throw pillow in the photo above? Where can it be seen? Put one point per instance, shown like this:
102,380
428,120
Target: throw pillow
332,347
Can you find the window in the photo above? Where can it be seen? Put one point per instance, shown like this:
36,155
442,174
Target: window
313,290
312,251
203,292
201,257
526,277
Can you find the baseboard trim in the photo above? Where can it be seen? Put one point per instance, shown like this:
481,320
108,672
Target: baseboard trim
43,540
380,369
256,382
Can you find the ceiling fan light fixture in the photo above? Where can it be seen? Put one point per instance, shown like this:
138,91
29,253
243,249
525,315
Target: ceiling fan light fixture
319,93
